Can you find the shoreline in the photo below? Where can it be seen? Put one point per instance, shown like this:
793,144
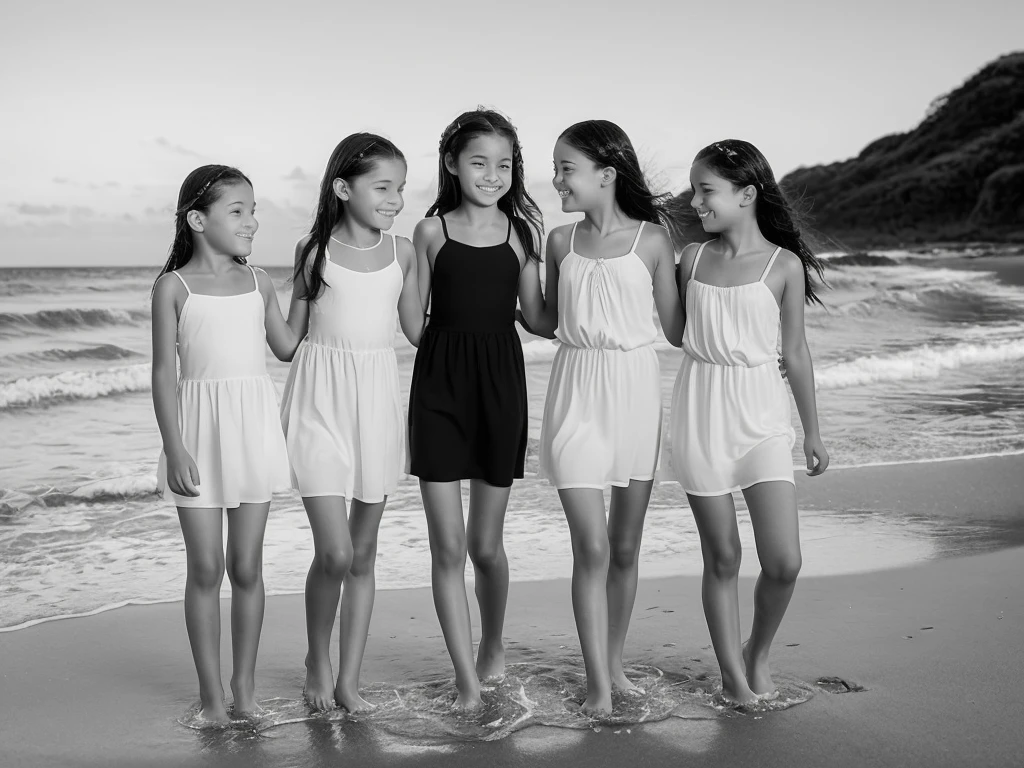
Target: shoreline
930,644
819,494
934,644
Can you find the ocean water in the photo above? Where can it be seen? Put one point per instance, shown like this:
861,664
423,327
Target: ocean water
918,357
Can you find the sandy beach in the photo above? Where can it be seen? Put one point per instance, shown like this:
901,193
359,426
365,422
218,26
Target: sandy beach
935,647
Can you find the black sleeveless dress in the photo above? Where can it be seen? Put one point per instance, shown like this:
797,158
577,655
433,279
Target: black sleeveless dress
467,402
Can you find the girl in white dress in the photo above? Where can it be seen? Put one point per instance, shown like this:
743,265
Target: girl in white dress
730,421
341,409
222,441
606,274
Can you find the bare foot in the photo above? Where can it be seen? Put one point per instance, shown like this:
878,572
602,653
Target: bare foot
352,701
597,704
214,714
622,683
319,688
759,676
490,662
468,701
244,693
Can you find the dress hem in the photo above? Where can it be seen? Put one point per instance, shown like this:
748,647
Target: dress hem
739,487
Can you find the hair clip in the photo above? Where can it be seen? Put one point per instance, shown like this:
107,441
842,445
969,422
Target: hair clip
726,152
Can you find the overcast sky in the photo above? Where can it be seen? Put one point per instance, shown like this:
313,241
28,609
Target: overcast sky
106,106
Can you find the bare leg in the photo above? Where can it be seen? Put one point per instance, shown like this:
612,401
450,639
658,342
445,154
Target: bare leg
246,526
202,531
357,603
584,510
442,503
773,514
485,534
332,556
626,515
720,546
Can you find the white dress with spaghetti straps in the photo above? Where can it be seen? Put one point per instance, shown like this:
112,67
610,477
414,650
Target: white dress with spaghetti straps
603,412
342,407
227,404
730,421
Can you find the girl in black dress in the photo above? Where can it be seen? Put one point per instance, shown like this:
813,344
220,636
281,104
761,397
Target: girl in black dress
467,402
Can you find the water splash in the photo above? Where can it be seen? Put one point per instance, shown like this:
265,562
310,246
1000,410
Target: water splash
423,712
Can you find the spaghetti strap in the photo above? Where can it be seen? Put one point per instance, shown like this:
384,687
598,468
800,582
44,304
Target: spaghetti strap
394,247
700,250
768,266
508,235
636,239
444,225
255,278
187,289
572,238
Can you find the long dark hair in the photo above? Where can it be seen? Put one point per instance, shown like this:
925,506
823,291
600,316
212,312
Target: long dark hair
517,204
609,147
354,156
198,192
742,164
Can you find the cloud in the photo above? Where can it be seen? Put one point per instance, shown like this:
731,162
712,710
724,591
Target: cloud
297,174
33,209
61,180
177,149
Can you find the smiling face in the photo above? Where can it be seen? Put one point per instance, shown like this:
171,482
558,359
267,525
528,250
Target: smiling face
483,168
577,178
718,202
375,198
229,224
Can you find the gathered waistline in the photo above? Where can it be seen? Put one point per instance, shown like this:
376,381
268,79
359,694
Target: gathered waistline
366,351
773,361
502,329
642,347
218,380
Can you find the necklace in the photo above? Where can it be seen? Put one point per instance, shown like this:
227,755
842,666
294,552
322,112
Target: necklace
364,267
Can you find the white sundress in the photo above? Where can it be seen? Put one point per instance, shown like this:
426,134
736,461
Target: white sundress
227,404
603,410
342,408
730,422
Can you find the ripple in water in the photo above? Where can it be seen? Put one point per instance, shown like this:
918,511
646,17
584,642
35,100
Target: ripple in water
422,713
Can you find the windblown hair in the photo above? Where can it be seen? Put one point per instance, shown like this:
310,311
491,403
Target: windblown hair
354,156
609,147
517,204
198,192
742,164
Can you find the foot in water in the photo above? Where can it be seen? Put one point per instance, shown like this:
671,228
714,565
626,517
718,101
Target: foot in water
319,688
759,676
350,700
212,714
468,701
490,661
622,683
597,703
244,693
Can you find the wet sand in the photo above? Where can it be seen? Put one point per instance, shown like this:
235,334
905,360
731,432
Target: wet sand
935,645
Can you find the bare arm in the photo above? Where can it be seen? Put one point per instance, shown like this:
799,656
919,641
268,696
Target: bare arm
423,240
557,248
534,315
168,297
683,272
666,294
410,308
280,336
798,361
298,308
